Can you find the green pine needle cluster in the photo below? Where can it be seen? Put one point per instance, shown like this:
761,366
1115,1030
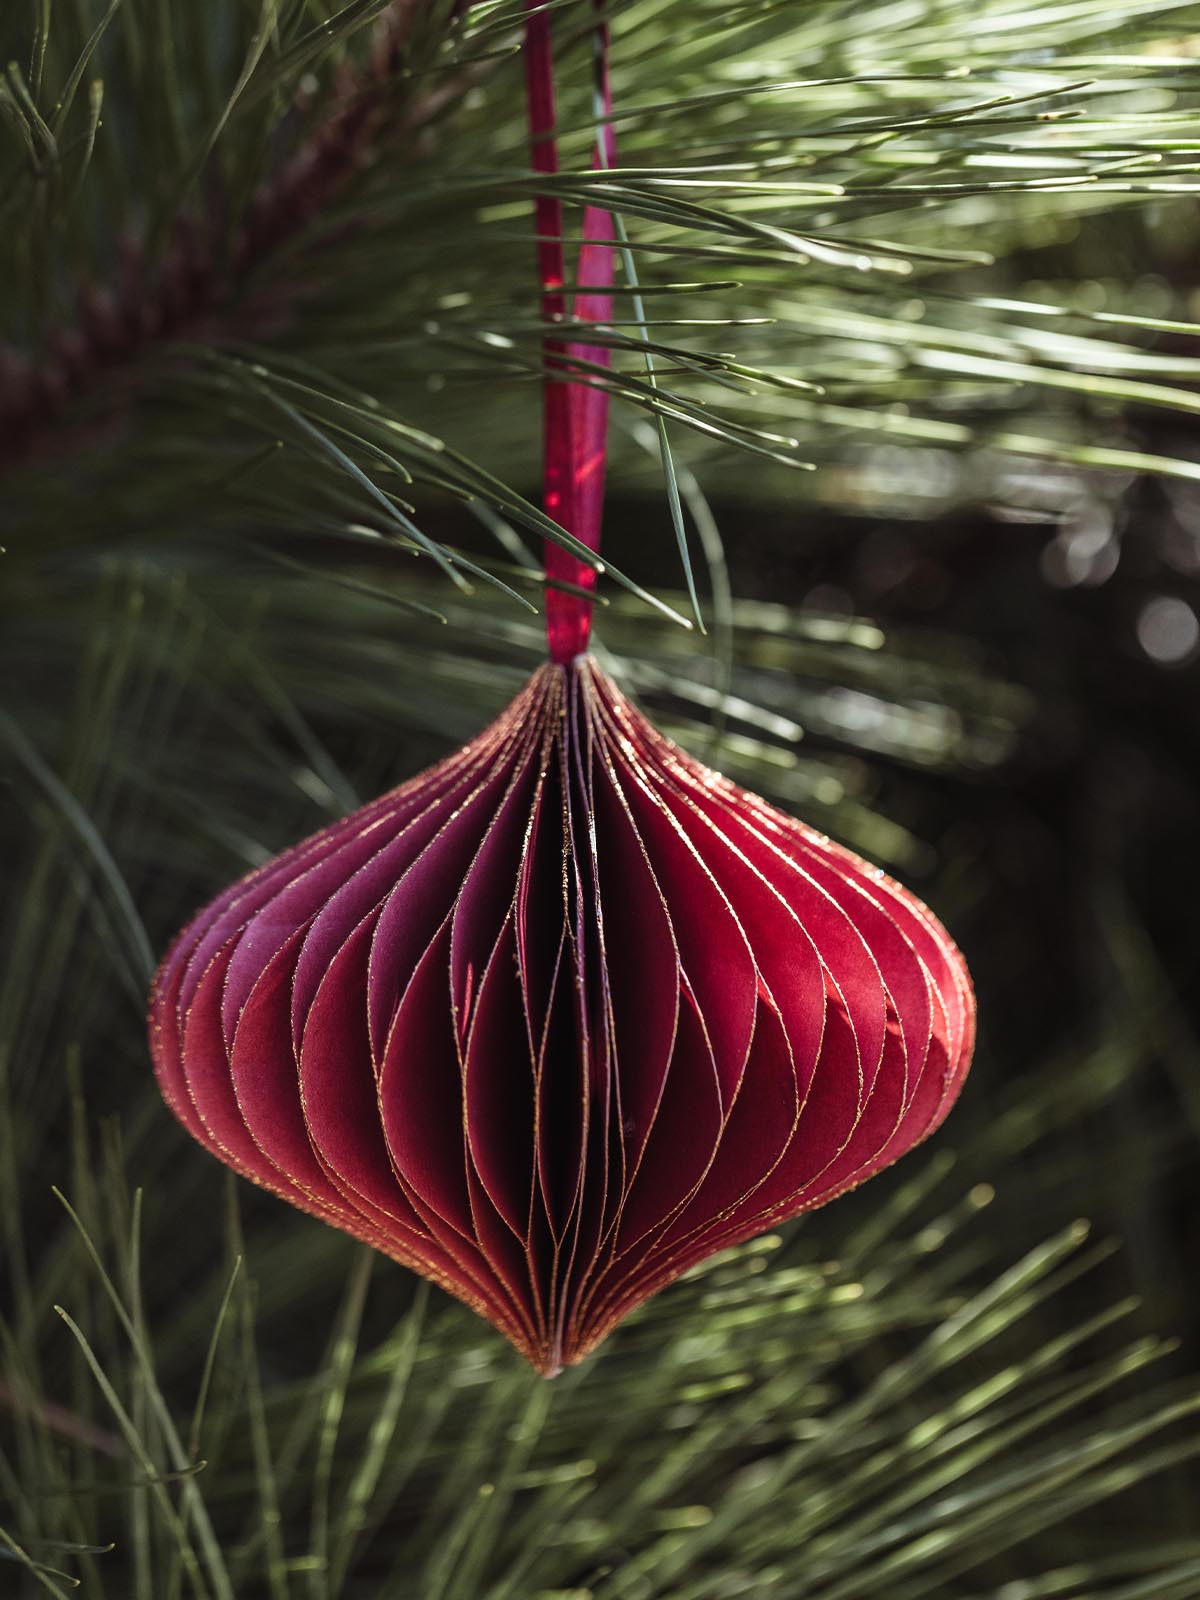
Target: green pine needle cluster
268,431
294,239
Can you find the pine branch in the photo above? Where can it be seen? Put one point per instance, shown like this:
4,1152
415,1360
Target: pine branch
203,290
814,172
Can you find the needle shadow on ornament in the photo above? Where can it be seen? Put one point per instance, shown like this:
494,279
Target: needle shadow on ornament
567,1013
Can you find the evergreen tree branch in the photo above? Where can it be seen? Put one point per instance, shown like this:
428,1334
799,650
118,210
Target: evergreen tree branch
204,290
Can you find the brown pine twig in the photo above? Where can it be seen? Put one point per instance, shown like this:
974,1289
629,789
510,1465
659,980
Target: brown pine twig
196,295
59,1420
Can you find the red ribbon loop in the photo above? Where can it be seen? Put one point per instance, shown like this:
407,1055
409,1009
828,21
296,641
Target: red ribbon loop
574,409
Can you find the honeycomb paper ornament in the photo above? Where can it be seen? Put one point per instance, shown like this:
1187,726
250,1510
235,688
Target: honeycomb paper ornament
562,1016
565,1014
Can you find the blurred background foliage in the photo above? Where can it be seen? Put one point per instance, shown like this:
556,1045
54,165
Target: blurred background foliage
268,421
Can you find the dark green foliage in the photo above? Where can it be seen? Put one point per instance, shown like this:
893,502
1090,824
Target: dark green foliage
943,253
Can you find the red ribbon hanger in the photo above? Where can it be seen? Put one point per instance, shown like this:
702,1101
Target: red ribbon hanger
575,409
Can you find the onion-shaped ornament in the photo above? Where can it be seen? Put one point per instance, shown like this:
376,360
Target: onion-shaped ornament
568,1012
562,1016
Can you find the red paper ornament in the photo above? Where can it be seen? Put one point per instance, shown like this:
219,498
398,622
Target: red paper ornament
568,1012
562,1016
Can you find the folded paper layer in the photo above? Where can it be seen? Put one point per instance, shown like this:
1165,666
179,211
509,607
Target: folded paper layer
560,1017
